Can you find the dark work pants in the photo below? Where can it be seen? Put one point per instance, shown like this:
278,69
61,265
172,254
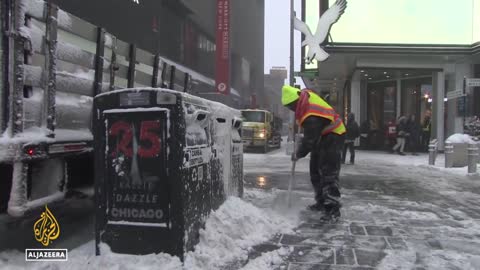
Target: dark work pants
425,140
351,147
325,161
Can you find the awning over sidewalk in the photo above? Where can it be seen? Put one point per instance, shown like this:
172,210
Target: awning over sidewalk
346,58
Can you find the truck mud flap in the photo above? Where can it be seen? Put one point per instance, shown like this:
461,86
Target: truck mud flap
6,171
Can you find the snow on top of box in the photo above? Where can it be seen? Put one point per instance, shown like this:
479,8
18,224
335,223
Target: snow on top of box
216,107
460,138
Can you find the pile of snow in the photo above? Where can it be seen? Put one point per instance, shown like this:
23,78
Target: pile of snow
229,235
231,230
460,138
83,258
268,260
260,197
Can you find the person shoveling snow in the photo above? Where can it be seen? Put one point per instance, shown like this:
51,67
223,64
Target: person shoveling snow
323,139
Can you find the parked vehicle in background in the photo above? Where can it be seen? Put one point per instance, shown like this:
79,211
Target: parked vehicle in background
52,65
261,130
277,132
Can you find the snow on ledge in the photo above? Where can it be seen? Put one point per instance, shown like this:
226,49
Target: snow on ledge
460,138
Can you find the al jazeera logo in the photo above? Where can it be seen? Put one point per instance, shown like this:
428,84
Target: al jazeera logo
46,229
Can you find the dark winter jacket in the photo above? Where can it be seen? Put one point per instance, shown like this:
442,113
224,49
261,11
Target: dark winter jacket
427,124
413,128
353,131
312,132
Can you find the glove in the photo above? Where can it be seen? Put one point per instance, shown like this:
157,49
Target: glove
294,157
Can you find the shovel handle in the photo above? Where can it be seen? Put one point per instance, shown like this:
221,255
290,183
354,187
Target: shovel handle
291,183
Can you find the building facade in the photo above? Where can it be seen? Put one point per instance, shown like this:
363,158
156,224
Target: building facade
272,94
392,70
183,31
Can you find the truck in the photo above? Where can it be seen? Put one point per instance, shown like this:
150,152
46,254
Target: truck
52,65
260,130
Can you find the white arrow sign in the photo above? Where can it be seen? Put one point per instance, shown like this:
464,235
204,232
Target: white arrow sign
454,94
473,82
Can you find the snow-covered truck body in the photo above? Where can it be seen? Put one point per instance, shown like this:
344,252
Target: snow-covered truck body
164,161
52,65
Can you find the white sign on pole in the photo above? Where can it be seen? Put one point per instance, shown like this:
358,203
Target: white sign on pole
455,94
473,82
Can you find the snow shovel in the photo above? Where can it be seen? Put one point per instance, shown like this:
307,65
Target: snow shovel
291,183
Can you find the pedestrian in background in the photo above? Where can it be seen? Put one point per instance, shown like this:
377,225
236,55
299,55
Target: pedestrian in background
401,134
391,133
364,128
414,131
426,127
353,132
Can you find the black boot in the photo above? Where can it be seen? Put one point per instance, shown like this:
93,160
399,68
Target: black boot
332,204
318,206
332,213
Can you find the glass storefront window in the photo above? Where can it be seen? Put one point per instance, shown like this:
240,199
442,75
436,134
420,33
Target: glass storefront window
416,97
389,104
381,100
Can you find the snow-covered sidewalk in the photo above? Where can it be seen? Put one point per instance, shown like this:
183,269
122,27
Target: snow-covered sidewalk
228,238
398,213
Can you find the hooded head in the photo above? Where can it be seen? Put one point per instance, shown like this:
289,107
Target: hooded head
351,117
290,95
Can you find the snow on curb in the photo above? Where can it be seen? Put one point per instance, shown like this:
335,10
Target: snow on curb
231,231
110,260
83,258
268,260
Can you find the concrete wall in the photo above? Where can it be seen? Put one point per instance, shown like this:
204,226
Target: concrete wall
273,83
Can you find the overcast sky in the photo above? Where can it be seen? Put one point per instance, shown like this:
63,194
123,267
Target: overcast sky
413,21
277,34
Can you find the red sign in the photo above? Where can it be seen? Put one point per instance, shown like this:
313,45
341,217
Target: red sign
222,57
148,133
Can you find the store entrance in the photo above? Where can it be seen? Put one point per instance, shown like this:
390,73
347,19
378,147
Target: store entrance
381,108
390,95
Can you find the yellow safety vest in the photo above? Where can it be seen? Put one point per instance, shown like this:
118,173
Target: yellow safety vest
319,107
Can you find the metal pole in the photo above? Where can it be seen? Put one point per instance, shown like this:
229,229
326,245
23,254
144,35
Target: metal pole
292,15
291,133
448,155
472,151
292,115
432,152
464,102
